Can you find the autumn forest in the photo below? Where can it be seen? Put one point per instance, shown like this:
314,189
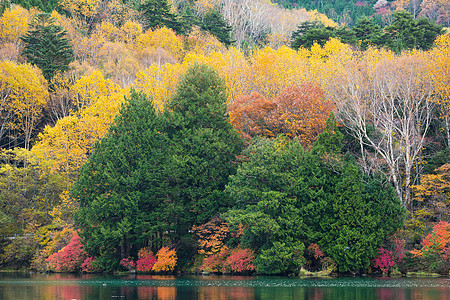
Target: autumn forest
225,136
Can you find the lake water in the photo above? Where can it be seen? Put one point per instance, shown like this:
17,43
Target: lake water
68,286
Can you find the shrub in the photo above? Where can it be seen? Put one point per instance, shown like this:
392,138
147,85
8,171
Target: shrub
69,258
383,261
146,260
166,260
241,261
216,262
128,263
90,265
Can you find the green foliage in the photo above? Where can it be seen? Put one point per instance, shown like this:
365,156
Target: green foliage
214,23
286,196
122,188
157,14
47,46
407,33
204,142
44,5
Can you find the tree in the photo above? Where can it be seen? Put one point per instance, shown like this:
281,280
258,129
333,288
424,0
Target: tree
286,197
23,96
158,14
309,33
367,33
47,46
206,144
214,23
122,187
407,33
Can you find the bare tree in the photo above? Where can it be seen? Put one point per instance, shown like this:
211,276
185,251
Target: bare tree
388,109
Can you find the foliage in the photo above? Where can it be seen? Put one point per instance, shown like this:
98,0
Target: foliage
90,265
70,258
146,261
241,261
129,264
212,236
297,112
158,14
383,261
285,195
216,262
120,188
47,46
435,248
214,23
166,260
24,96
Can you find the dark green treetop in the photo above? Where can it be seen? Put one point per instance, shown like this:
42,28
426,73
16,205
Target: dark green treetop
214,23
47,46
158,14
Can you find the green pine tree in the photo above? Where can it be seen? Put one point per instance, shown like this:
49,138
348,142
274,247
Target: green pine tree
157,14
123,188
214,23
47,46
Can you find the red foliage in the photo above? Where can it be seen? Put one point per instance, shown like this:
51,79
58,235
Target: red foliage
399,249
315,250
241,261
360,3
69,258
439,238
384,260
89,266
146,260
216,262
128,263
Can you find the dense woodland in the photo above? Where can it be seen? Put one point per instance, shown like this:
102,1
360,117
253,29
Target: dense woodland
224,136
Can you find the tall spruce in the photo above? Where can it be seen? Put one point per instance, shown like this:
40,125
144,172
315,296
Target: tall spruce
157,14
47,46
122,188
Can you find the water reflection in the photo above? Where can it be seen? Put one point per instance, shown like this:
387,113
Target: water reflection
87,287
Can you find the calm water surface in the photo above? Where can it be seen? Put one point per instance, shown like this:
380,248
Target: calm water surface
67,286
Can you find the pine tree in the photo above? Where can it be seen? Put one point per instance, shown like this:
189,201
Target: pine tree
214,23
122,188
47,46
157,13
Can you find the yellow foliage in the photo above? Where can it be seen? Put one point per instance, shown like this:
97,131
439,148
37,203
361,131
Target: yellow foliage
162,38
23,96
83,8
130,31
14,23
202,43
159,82
315,16
68,144
439,66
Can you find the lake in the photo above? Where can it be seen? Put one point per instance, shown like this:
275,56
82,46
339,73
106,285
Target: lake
71,286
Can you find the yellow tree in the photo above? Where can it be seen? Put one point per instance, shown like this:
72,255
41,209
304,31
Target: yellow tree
23,92
439,67
14,23
159,82
67,145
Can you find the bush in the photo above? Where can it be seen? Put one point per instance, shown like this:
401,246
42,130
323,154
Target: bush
146,260
384,261
166,260
241,261
69,258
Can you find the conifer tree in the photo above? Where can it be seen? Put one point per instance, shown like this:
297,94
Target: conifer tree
158,14
214,23
47,46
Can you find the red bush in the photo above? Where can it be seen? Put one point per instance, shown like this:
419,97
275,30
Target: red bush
69,258
241,261
383,261
146,260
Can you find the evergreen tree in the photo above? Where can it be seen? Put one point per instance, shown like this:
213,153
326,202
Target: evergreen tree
309,33
122,188
214,23
367,33
286,197
47,46
158,14
205,142
406,33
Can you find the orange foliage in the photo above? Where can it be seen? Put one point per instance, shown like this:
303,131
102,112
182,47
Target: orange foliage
296,112
211,236
436,241
166,260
